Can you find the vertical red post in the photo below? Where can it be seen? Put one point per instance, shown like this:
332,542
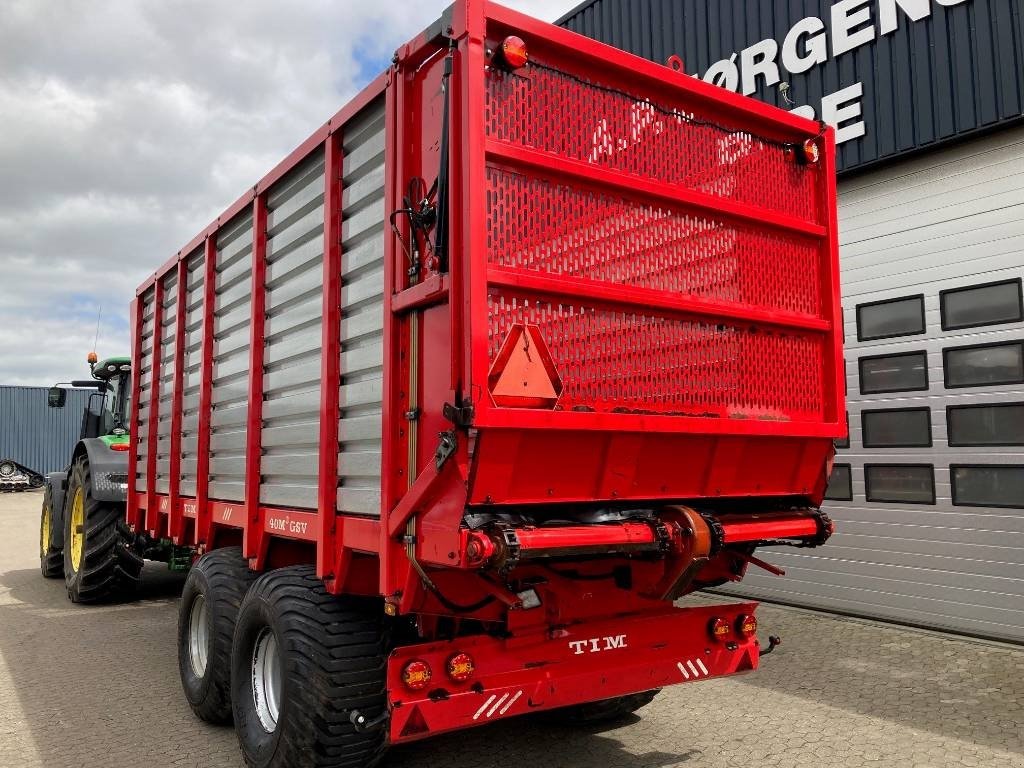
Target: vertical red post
831,298
152,513
134,519
206,393
253,535
330,359
175,522
390,444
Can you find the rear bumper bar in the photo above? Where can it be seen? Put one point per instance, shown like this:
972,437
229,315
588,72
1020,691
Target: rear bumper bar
559,667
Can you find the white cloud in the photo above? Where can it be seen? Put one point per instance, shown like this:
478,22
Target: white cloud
125,127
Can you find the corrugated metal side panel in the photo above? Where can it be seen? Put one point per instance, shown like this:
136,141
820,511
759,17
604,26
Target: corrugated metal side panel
232,314
168,340
957,71
35,435
362,323
192,362
291,383
939,222
145,384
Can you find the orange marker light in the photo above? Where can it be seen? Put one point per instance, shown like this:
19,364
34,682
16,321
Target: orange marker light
812,153
513,52
416,675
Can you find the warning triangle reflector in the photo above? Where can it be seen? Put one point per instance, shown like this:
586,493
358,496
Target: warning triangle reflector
416,725
523,375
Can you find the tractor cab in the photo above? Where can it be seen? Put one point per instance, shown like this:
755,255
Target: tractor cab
107,413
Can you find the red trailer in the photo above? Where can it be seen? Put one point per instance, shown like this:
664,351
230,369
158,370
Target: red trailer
531,339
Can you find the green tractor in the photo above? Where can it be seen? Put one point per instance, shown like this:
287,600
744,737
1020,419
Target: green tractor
83,534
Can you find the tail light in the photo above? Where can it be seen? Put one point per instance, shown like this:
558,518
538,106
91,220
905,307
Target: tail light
416,675
119,446
746,625
719,628
460,667
512,53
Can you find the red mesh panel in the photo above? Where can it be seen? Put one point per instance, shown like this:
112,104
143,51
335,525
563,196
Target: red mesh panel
548,110
617,359
540,226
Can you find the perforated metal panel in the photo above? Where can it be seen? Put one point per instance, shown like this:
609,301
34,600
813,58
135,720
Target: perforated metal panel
362,320
230,396
145,365
579,119
192,373
293,336
547,218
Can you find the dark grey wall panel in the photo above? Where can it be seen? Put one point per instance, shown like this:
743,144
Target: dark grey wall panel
35,435
958,70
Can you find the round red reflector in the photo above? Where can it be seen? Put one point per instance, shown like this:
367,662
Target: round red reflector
719,628
811,151
416,675
746,625
460,667
513,52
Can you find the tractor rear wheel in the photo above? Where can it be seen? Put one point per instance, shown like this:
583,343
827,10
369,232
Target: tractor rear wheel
598,712
99,562
51,558
210,601
302,664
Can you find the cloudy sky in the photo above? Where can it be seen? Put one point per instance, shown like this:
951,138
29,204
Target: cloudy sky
127,126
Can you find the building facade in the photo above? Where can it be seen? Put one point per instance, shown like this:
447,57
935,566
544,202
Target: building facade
927,97
35,435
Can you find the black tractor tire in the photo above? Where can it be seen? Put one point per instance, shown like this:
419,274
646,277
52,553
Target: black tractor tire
108,568
331,655
213,594
51,558
600,712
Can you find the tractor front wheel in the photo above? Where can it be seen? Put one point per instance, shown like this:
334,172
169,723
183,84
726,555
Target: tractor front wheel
99,562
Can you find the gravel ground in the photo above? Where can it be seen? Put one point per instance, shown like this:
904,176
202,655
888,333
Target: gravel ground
98,686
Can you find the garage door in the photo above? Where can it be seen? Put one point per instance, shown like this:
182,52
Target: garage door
928,496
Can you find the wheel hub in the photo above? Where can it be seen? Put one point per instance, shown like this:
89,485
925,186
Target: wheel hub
77,529
266,680
44,534
198,636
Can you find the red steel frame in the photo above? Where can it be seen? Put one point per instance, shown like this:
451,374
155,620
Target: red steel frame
418,496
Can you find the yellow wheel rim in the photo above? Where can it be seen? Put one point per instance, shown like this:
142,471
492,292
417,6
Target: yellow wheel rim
44,533
77,529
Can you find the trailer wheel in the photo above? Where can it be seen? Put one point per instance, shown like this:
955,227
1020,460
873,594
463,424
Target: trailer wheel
597,712
302,662
51,559
213,593
99,562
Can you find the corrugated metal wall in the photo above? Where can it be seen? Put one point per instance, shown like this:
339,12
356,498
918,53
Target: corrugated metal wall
35,435
909,233
959,70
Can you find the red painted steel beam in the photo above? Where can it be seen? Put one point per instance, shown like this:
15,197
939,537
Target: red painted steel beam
134,519
175,523
202,535
550,165
330,360
152,514
781,527
253,536
585,536
668,302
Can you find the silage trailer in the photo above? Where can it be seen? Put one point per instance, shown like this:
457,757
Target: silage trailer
531,339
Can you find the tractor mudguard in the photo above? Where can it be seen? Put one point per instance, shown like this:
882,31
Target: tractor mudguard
109,469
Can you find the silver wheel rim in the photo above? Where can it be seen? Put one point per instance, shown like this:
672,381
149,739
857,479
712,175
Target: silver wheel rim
266,680
198,636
